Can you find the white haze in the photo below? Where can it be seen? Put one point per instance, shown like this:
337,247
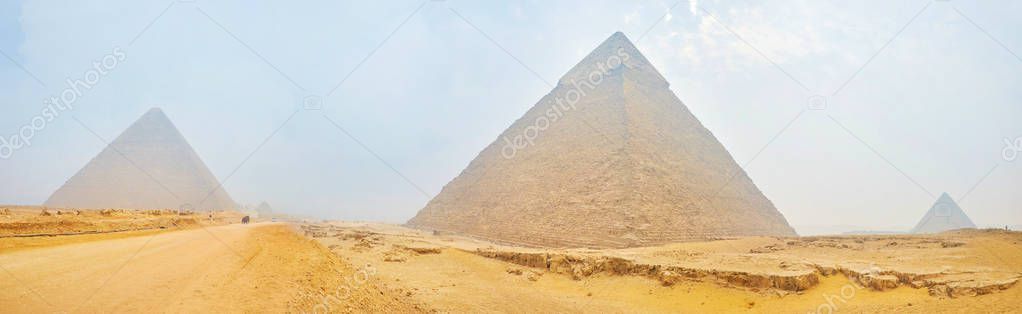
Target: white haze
934,105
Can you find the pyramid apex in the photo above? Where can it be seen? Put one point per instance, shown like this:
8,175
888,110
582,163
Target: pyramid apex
945,197
155,112
616,40
614,51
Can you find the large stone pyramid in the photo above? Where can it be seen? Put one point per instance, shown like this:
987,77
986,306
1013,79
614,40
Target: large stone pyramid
609,158
944,215
149,166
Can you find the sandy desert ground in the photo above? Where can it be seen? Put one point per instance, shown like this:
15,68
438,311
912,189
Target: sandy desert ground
965,271
220,266
198,267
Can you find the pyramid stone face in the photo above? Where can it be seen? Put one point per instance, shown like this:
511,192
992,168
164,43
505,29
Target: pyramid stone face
944,215
609,158
149,166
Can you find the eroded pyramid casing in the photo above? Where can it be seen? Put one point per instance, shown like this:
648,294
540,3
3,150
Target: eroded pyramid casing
944,215
149,166
609,158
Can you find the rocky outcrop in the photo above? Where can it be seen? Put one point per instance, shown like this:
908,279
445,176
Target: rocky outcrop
580,266
419,250
943,285
778,266
971,289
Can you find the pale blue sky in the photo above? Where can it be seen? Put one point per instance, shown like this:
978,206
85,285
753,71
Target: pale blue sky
933,103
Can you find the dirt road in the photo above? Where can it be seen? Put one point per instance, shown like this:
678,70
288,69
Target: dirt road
236,268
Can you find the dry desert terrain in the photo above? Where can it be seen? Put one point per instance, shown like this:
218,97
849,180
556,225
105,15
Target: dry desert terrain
133,261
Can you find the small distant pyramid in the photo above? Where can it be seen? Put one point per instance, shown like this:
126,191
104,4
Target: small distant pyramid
609,158
149,166
944,215
264,210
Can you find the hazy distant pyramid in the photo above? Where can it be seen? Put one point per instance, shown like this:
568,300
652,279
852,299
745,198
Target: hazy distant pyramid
944,215
264,210
609,158
149,166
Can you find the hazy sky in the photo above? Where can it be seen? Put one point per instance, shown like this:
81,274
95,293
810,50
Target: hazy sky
922,107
